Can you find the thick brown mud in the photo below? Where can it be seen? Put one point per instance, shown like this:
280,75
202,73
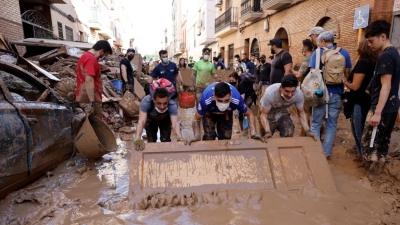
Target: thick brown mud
80,191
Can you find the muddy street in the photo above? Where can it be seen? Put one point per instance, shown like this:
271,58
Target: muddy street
97,192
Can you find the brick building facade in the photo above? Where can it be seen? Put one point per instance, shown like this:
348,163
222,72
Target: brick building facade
292,25
10,20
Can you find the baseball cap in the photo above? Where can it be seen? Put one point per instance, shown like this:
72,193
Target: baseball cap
275,41
263,56
316,30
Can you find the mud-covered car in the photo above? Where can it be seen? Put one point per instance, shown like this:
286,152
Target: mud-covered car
35,128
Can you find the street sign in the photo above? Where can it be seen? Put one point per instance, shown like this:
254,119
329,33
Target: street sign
361,17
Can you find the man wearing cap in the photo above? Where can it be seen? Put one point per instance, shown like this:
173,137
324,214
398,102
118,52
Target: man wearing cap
215,109
202,71
274,104
168,70
158,112
126,70
314,32
282,63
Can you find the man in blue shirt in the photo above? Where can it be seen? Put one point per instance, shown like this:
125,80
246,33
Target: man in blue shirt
168,70
215,108
221,60
326,39
249,64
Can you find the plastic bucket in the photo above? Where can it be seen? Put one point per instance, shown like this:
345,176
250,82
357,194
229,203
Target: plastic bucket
187,100
118,85
95,138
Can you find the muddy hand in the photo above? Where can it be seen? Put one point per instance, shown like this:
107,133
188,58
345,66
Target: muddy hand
182,140
191,89
190,141
311,134
180,89
267,135
139,144
126,86
219,79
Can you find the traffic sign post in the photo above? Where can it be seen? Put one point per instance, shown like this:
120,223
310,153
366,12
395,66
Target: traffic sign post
361,17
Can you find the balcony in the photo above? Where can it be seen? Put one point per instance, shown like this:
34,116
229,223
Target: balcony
226,23
250,10
275,4
118,42
100,23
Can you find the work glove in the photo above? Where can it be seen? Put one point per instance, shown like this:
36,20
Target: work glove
196,131
267,135
180,89
182,140
310,134
191,89
139,144
255,136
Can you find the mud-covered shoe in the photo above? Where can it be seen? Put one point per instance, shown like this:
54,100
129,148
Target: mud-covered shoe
381,165
373,172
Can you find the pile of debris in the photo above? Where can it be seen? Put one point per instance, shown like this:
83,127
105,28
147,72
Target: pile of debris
57,69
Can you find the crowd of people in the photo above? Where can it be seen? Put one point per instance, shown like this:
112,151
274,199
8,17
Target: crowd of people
368,91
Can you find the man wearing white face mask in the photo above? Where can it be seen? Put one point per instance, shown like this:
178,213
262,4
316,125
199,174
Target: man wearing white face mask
276,100
202,71
168,70
215,108
158,111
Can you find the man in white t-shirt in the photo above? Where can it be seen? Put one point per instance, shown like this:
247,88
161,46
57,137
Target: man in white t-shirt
276,100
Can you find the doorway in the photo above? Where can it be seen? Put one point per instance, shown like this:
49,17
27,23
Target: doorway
395,35
283,35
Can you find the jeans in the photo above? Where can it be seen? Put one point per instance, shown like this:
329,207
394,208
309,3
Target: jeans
223,122
382,139
318,112
357,126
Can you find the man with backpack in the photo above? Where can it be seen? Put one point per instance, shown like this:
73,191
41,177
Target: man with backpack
281,65
158,111
384,90
335,63
274,104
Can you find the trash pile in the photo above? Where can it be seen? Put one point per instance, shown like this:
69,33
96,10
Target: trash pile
57,69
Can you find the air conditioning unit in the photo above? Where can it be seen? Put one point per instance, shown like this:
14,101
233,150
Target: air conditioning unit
199,24
218,3
199,33
266,26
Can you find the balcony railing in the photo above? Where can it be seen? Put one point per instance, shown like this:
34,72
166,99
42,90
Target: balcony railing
228,19
275,4
250,6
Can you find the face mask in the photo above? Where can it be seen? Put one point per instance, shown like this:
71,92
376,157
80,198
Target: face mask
130,57
255,63
232,83
222,106
165,60
262,61
284,97
206,57
186,62
161,111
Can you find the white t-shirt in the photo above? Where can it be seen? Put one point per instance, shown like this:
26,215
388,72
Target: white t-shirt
273,101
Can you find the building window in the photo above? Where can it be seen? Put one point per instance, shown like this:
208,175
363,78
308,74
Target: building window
60,31
69,33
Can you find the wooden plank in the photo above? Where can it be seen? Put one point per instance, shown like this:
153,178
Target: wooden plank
186,76
282,164
139,90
